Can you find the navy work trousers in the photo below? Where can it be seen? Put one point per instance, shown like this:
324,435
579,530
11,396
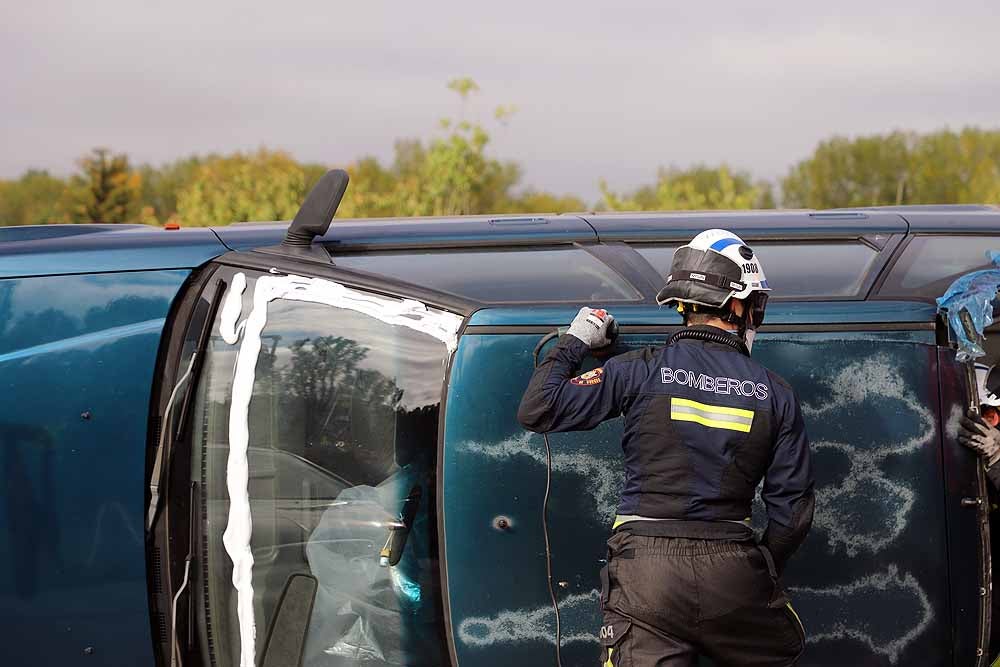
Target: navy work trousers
669,600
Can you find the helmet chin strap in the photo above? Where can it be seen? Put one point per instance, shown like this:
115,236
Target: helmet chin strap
743,328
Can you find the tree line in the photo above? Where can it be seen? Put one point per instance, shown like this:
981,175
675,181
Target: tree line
453,173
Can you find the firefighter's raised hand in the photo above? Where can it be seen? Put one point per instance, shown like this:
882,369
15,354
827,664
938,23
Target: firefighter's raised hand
593,327
980,437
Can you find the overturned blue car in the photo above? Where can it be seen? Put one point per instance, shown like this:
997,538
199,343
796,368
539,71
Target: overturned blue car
273,444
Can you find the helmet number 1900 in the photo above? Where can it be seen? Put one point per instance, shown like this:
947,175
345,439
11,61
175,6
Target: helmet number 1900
751,267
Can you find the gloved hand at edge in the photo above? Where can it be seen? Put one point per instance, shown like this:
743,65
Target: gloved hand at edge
592,326
980,437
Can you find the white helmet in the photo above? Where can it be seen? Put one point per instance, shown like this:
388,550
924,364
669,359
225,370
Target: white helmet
989,385
713,268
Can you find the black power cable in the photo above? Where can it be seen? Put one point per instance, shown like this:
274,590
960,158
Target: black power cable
545,514
612,335
548,550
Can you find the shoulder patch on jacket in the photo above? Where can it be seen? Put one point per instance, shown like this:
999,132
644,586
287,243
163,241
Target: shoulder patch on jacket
589,379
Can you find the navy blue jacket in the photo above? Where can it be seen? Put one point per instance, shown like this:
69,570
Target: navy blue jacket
704,424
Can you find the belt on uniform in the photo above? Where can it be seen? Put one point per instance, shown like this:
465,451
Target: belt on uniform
692,529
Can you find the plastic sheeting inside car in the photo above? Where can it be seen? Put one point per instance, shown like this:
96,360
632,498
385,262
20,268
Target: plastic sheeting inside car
365,613
969,305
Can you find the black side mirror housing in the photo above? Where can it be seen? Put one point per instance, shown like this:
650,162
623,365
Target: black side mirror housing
317,211
313,219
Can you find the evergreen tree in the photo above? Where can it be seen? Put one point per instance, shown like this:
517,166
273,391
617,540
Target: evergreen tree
106,190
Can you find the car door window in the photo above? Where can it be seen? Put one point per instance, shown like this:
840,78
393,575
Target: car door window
797,270
502,275
342,424
930,263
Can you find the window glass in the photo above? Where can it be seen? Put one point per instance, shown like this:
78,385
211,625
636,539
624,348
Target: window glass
343,439
930,263
551,274
796,270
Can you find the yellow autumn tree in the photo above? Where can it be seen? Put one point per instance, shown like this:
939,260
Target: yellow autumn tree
263,185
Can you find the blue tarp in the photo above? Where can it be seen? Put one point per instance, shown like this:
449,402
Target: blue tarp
968,304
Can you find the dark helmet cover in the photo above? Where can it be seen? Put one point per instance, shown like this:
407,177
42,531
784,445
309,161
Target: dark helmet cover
702,277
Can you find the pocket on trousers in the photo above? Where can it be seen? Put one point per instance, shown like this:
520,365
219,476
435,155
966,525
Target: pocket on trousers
793,616
731,581
614,639
779,599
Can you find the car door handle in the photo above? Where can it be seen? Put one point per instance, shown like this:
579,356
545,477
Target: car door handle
972,502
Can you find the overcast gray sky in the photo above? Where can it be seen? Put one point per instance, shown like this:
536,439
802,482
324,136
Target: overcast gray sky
606,90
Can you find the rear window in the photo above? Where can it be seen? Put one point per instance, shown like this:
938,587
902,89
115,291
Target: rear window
496,276
798,270
930,263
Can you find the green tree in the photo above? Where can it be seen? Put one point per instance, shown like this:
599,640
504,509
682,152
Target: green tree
535,201
944,167
453,175
106,190
313,172
265,185
373,189
450,175
34,199
458,178
956,167
867,171
464,86
162,185
698,188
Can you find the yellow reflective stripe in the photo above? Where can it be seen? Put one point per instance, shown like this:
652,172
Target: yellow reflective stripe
711,423
996,663
618,521
609,663
739,412
792,609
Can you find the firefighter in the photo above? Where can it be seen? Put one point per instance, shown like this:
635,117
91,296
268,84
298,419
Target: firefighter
704,425
979,432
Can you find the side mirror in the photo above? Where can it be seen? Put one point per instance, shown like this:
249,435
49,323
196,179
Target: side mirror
313,219
317,211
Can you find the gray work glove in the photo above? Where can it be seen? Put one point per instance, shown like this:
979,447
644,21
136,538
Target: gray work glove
591,326
980,437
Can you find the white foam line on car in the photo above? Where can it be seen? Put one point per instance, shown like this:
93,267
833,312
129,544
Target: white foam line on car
407,313
231,309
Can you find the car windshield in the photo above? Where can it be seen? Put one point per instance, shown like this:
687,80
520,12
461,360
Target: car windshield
341,430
